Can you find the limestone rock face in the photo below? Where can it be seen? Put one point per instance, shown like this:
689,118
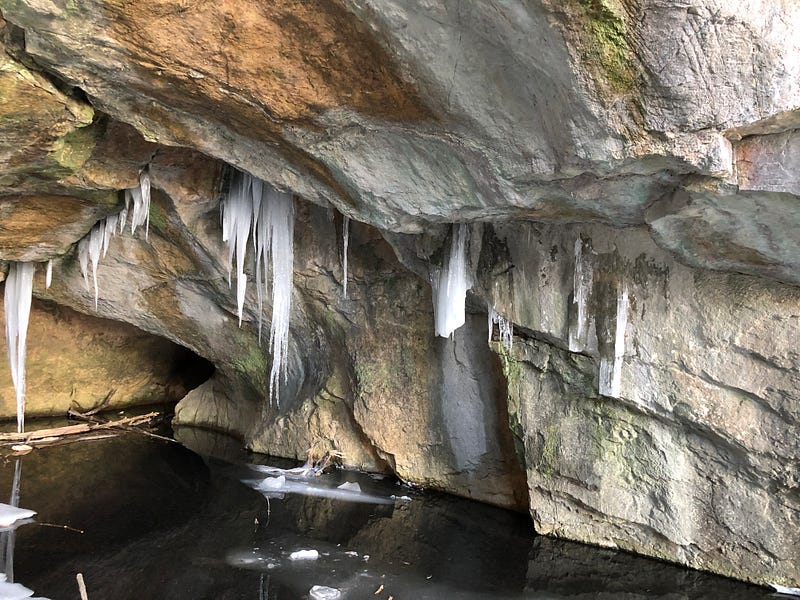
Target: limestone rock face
629,172
657,403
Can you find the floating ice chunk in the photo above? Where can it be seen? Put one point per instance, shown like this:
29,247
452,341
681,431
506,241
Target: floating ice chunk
782,589
11,514
323,592
17,302
274,483
451,285
402,498
304,555
350,486
317,487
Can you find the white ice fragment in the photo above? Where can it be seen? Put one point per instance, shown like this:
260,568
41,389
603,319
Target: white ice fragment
451,285
350,486
48,278
323,592
14,591
304,555
274,483
10,514
782,589
345,244
17,302
351,553
402,498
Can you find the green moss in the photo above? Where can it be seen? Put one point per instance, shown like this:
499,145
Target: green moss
547,459
607,48
75,148
158,217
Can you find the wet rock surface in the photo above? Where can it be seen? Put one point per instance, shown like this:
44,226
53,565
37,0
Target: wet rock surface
631,215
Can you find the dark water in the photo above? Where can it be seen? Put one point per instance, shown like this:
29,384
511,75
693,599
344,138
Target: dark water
160,521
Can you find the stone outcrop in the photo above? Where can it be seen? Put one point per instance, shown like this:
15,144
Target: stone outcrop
630,172
80,362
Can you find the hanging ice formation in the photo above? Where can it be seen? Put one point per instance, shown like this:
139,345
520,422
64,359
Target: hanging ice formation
611,368
96,242
505,326
17,302
451,285
251,204
345,243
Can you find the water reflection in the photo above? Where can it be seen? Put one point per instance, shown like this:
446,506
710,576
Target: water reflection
161,522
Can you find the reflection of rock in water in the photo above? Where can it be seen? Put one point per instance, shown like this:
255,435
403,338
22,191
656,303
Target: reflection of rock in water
567,569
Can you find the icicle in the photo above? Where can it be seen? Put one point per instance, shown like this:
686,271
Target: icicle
48,278
582,289
282,236
450,287
345,243
17,301
144,185
611,369
237,217
140,196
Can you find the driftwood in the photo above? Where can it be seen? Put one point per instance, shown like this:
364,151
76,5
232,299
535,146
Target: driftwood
43,435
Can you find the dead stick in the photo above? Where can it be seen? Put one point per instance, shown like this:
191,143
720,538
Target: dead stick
74,429
82,587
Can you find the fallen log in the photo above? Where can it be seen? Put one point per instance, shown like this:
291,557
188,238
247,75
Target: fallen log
69,430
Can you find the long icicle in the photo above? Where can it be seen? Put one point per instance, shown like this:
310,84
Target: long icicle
282,237
17,302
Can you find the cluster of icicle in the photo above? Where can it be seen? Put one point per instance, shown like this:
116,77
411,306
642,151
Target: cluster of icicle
254,206
95,244
505,326
451,284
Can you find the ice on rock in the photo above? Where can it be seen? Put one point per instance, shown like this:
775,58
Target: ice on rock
252,205
304,555
11,514
787,591
17,302
505,327
323,592
451,285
